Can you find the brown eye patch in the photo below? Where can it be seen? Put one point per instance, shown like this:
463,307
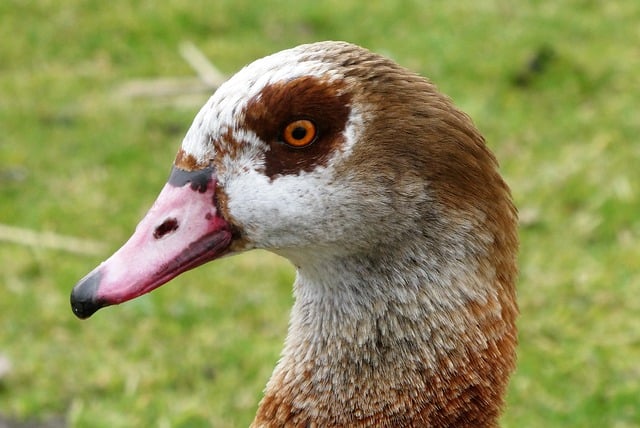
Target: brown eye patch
293,114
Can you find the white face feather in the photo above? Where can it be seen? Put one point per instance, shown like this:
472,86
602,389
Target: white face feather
290,212
270,209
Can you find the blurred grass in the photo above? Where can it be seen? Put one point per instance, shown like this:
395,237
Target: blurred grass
554,86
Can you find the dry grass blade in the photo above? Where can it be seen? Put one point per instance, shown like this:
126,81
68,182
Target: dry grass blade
49,240
208,80
207,72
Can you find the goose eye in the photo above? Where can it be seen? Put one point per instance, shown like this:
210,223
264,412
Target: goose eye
299,133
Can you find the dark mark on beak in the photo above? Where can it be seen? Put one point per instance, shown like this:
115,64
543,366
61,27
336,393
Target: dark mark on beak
199,179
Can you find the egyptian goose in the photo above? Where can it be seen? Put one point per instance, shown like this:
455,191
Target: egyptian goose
387,201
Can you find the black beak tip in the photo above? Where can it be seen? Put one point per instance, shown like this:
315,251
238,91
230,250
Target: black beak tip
84,310
84,301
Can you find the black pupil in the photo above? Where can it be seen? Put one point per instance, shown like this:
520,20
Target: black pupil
299,133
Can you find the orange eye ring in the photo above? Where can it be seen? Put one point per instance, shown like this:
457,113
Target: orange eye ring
299,133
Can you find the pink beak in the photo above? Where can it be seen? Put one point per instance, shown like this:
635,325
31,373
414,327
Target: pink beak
182,230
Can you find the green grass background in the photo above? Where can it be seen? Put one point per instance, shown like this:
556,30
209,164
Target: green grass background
553,85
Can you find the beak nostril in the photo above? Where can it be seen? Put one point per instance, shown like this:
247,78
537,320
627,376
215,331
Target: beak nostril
168,226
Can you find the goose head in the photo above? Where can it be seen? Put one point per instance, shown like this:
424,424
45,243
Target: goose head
387,201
